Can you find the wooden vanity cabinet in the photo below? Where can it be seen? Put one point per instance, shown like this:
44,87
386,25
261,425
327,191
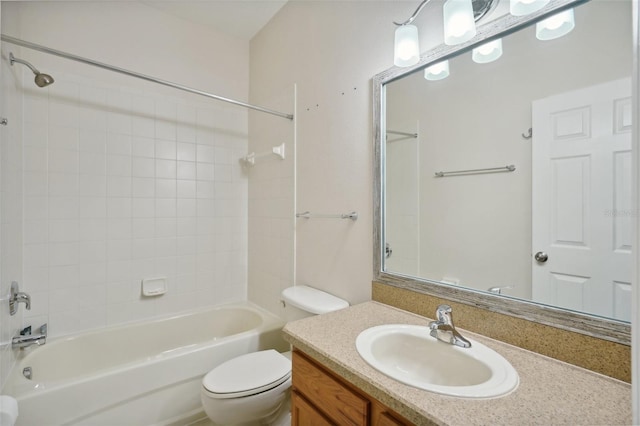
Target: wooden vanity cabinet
320,398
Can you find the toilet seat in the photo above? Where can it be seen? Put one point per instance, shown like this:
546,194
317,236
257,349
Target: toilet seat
247,375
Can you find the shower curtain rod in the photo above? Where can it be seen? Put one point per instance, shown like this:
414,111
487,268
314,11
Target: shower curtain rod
76,58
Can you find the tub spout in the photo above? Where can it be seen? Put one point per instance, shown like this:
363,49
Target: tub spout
25,339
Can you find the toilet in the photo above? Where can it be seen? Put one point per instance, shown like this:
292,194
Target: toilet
253,389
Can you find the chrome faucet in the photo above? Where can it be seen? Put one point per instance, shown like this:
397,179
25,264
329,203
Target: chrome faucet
444,330
26,339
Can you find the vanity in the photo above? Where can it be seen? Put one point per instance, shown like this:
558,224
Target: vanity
332,384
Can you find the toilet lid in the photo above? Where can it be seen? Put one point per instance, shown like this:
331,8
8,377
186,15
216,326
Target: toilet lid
248,374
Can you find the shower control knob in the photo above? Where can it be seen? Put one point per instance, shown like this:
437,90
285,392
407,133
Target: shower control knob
541,257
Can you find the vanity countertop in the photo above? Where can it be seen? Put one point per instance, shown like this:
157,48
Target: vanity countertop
550,391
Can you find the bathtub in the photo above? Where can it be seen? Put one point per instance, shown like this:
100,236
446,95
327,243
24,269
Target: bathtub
146,373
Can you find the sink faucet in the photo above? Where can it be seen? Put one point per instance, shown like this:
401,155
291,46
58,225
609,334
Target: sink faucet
26,339
444,330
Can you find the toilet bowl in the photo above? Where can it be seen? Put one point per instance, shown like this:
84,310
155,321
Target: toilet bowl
253,389
249,389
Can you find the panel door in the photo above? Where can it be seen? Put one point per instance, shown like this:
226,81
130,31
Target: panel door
581,200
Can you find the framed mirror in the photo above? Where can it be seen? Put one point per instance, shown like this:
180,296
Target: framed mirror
507,184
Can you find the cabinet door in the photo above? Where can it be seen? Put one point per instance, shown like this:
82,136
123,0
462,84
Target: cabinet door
304,414
329,394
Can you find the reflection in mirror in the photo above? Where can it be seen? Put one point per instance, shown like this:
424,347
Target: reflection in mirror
549,220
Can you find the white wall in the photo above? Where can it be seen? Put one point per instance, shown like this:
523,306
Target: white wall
272,202
126,179
330,50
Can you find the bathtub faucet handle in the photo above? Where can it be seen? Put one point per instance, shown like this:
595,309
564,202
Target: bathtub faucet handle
43,329
16,296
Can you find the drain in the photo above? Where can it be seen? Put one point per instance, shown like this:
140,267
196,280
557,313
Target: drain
26,372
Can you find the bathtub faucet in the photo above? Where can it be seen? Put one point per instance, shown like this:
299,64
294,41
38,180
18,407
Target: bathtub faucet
26,339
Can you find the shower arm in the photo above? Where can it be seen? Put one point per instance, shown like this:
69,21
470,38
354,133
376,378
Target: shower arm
87,61
13,59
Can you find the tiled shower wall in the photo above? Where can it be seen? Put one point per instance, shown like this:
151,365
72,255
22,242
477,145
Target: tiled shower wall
124,184
10,208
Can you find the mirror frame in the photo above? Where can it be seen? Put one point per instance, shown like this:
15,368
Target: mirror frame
599,327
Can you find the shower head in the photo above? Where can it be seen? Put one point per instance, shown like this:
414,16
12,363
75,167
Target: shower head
41,79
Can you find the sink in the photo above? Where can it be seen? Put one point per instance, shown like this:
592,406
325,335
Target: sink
408,354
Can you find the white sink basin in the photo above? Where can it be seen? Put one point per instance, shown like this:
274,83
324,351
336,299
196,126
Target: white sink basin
408,353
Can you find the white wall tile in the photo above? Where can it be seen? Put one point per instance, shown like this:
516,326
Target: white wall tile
165,227
186,188
119,144
143,187
166,188
186,123
119,186
62,277
144,207
91,140
119,207
62,254
186,151
144,167
92,186
63,230
186,170
92,163
93,253
63,137
143,227
92,207
35,183
143,146
63,184
166,150
35,159
119,228
166,169
92,229
204,171
205,154
118,165
115,196
35,208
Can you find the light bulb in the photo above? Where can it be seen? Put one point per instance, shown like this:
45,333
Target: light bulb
487,52
437,71
406,47
459,23
525,7
556,26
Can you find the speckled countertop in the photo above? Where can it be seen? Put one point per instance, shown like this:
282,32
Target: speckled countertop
550,392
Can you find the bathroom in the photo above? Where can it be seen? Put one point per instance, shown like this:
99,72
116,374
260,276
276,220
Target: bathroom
86,239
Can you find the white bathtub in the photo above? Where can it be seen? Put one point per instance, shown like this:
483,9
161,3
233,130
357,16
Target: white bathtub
139,374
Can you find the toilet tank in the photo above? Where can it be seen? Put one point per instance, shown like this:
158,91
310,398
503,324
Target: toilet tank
302,301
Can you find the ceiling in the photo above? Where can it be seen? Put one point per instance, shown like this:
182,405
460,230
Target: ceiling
238,18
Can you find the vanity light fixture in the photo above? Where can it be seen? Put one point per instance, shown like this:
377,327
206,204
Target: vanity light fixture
556,26
459,26
437,71
525,7
407,48
459,23
487,52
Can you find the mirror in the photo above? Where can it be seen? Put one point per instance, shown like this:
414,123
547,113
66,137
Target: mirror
509,183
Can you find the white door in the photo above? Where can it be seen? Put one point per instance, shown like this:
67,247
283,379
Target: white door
581,200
